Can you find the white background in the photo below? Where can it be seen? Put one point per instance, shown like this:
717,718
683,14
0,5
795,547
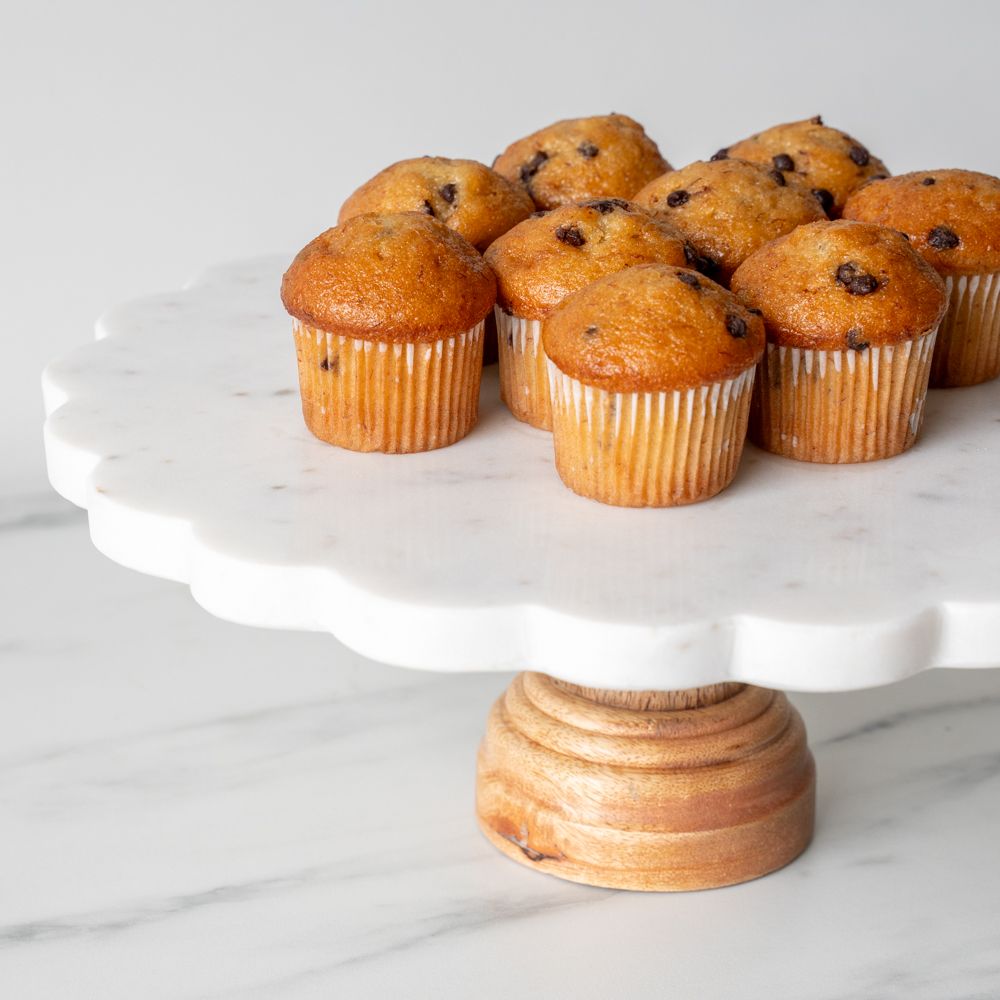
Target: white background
142,142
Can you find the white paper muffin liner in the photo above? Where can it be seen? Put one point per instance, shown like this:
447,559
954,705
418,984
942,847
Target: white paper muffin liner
524,383
393,397
842,406
968,344
649,449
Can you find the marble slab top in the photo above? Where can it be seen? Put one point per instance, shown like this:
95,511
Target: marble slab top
179,430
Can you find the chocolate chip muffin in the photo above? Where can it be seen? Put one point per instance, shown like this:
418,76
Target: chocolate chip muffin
545,258
652,370
851,311
388,317
465,195
727,209
609,156
830,162
952,218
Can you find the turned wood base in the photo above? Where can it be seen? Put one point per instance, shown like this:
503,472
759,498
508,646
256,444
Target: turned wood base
654,790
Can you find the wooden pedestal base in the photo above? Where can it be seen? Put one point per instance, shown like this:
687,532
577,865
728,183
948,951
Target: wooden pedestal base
655,790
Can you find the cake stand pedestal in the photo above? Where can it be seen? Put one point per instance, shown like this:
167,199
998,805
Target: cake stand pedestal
649,747
647,789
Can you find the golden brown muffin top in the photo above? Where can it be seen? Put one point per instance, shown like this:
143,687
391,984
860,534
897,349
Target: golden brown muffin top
465,195
652,328
830,162
609,156
545,258
392,278
951,216
727,209
838,285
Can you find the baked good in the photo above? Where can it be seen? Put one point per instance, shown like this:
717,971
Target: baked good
727,209
465,195
608,156
952,218
652,370
388,317
832,163
851,311
541,261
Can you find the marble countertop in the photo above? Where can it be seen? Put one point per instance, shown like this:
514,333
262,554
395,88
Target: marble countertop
196,809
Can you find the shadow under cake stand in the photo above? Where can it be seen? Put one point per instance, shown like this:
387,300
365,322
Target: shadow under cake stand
650,746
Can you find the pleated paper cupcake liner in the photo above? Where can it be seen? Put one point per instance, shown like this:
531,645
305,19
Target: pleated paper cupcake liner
393,397
649,449
968,344
841,406
524,382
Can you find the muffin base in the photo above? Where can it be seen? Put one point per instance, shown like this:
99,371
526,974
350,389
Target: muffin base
968,344
648,790
648,449
524,380
841,406
392,397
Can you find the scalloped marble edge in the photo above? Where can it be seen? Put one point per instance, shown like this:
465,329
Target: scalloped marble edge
525,636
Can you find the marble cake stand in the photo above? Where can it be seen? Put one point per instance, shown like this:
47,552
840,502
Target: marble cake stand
648,748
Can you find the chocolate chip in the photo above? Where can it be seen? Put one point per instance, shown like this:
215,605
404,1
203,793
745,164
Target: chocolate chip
588,149
676,198
591,331
856,282
859,155
689,279
824,198
709,267
855,339
428,207
448,192
570,235
783,162
817,120
928,181
699,262
943,238
330,365
721,154
736,325
529,169
606,205
778,177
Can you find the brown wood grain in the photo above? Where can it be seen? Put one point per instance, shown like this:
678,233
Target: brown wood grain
653,790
